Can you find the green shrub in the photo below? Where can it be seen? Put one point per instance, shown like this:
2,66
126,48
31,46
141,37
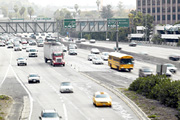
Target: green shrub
3,97
160,88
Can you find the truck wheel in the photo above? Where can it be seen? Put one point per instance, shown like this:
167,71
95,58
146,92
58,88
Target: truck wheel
63,64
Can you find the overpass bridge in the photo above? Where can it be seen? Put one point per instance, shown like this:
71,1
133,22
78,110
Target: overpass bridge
28,26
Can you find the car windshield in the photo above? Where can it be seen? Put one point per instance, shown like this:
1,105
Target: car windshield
57,54
147,70
49,115
33,75
102,96
20,58
65,84
126,61
32,50
170,65
106,54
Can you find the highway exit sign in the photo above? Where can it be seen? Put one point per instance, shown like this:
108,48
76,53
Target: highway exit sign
69,23
122,22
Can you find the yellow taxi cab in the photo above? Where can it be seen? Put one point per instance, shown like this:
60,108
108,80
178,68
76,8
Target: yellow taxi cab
102,99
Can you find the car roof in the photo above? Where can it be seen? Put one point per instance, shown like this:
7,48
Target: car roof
100,93
33,74
48,111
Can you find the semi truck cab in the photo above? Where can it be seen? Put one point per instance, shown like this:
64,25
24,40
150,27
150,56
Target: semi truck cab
58,58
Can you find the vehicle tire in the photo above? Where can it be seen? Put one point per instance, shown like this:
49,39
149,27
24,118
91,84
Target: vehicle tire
129,70
29,82
110,66
17,64
45,60
63,64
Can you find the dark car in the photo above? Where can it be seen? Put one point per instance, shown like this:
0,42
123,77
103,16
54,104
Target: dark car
174,57
133,44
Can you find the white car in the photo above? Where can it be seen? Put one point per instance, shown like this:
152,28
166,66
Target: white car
33,77
92,40
72,52
95,51
66,87
91,56
105,55
33,52
10,45
171,67
24,46
49,115
83,40
21,61
17,48
97,60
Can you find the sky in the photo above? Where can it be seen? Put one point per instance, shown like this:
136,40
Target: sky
83,2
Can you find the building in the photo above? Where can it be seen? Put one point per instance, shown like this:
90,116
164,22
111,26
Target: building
164,11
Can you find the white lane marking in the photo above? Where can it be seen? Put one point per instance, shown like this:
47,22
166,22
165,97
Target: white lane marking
65,111
5,76
30,97
7,70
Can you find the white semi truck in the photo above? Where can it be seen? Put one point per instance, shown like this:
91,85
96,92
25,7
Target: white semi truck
53,52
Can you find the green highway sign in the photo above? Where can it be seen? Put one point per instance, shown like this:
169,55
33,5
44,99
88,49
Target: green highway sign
17,19
43,18
69,23
122,22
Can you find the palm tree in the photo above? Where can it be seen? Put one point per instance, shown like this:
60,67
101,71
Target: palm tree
16,9
22,10
30,11
98,3
76,7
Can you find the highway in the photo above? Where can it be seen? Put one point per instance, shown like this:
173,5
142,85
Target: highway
46,95
156,51
78,70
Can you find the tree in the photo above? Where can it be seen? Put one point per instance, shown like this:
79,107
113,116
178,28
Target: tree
120,9
62,14
148,23
98,3
76,8
30,11
107,12
16,8
138,19
4,11
22,11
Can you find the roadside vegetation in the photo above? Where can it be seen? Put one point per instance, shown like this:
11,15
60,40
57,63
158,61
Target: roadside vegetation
5,105
158,96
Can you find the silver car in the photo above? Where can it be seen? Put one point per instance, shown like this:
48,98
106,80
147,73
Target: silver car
49,115
105,55
97,60
145,71
95,51
91,56
66,87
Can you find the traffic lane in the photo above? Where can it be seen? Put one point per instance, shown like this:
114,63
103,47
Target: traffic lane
150,50
80,63
83,93
5,58
64,72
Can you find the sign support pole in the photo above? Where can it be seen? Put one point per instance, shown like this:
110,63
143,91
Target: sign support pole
117,36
